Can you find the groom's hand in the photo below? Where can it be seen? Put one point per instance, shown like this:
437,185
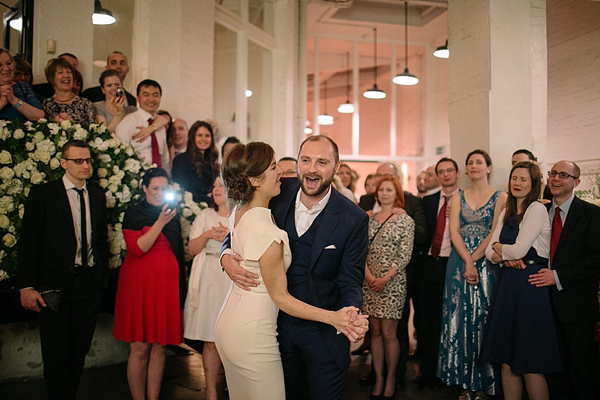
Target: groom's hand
358,326
244,279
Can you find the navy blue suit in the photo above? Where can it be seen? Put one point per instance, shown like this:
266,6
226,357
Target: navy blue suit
327,271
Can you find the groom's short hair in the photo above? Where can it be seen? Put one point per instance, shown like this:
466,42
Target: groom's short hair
318,138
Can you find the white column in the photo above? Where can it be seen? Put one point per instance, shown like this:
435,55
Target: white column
497,80
173,44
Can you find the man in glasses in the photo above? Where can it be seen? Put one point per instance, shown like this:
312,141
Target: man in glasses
573,279
63,267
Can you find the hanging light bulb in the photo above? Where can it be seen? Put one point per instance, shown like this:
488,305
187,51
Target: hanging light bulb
347,107
405,78
102,16
374,93
325,119
442,51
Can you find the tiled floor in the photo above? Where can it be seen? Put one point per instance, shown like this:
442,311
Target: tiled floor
184,379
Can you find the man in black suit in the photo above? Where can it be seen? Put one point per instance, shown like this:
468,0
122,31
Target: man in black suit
64,250
412,206
117,61
432,257
573,275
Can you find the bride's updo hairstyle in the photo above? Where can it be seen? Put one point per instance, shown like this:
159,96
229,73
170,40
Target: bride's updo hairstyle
242,162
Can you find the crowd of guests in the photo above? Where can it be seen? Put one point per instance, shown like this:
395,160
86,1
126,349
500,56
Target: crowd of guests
503,286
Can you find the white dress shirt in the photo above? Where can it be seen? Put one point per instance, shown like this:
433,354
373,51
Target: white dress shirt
305,217
75,204
128,127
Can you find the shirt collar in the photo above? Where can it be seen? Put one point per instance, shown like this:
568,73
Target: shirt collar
70,185
317,207
564,207
146,114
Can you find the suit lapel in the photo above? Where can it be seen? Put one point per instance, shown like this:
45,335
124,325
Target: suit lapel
64,202
327,226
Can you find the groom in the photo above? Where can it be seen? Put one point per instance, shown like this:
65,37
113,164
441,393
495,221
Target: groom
328,236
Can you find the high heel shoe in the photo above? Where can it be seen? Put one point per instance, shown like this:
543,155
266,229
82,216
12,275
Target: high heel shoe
389,397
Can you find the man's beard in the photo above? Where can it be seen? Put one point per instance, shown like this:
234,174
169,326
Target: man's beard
325,183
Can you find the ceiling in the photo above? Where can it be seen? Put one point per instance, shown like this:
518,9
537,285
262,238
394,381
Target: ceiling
338,23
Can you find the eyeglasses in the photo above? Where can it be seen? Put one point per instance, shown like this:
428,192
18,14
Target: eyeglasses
80,161
447,171
561,175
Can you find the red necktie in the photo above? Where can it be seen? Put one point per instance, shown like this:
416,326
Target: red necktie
155,153
440,226
556,230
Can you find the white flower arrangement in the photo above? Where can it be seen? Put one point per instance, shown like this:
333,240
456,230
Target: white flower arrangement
31,155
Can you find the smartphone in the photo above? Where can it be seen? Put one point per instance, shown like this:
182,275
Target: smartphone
169,199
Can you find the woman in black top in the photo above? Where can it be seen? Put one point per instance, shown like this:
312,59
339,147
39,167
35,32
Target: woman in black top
196,169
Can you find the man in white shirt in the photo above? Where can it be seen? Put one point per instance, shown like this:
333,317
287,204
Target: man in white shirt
63,255
431,271
573,278
154,149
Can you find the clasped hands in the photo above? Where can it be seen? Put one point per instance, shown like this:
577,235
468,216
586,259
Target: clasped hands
352,324
218,232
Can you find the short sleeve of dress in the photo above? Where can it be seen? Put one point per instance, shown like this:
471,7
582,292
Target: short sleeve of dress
198,226
259,242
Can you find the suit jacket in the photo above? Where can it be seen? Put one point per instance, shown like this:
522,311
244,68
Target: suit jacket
577,264
412,206
335,275
48,243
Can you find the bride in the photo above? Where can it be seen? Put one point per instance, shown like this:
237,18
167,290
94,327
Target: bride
246,335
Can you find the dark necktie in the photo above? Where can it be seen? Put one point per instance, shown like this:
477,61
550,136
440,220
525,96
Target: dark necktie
83,233
440,226
556,230
155,153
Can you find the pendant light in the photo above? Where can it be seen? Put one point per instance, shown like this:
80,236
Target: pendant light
102,16
375,92
442,51
347,107
405,78
325,119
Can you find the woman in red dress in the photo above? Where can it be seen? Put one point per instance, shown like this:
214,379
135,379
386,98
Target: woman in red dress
148,304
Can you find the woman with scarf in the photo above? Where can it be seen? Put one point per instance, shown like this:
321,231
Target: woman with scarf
149,295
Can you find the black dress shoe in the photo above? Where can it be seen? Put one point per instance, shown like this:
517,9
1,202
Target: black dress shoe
378,397
436,384
421,382
368,379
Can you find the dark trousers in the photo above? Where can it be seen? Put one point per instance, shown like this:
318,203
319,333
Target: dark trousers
66,335
307,361
428,300
402,330
581,362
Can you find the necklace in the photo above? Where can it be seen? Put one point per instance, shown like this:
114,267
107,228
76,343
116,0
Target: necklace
62,101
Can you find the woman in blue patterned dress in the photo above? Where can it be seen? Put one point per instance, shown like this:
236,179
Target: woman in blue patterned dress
469,283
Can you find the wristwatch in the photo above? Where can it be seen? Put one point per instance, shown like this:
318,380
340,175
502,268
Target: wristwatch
19,104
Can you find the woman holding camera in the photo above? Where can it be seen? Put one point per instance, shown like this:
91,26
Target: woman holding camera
114,107
148,303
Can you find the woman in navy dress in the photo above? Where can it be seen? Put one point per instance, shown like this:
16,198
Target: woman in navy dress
520,332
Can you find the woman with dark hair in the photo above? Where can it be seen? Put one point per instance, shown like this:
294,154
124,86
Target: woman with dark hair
520,332
17,100
149,291
246,332
65,105
391,238
196,169
469,282
228,145
208,284
114,107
